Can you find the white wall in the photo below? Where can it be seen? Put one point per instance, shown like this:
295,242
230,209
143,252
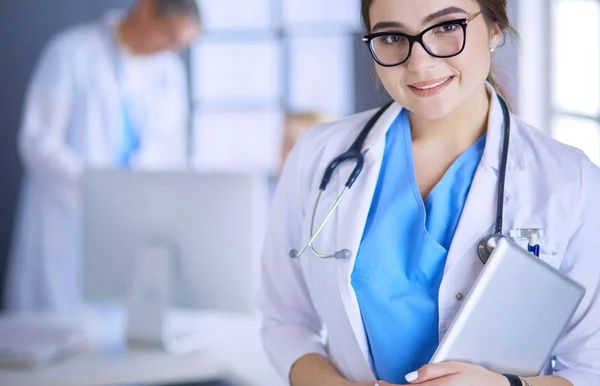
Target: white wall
533,23
267,58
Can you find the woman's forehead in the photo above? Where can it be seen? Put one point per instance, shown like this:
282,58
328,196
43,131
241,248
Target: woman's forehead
415,13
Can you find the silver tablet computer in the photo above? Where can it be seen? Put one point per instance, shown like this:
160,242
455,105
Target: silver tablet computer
515,313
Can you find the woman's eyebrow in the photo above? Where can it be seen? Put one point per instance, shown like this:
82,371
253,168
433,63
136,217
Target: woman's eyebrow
434,16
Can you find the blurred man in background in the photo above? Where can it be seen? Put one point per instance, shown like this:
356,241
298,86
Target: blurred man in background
109,94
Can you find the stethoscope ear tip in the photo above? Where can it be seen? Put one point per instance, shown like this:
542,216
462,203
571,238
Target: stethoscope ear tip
343,254
294,254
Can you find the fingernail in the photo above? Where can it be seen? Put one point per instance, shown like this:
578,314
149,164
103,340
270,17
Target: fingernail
412,376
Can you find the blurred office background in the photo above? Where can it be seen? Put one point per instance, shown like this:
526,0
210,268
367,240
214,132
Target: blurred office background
258,59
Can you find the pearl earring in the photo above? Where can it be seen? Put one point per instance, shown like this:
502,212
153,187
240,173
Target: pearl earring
492,49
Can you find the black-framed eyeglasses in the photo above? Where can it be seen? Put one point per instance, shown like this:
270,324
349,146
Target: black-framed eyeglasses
443,40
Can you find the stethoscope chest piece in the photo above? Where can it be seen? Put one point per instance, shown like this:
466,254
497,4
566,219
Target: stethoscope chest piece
486,246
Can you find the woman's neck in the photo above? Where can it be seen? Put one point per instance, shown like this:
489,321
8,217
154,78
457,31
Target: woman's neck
457,131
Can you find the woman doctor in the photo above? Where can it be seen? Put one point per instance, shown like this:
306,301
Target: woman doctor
414,218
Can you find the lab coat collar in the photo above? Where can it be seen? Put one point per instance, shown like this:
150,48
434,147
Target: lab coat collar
377,134
495,137
110,24
110,20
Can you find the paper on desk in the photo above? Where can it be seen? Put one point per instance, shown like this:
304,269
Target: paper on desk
31,344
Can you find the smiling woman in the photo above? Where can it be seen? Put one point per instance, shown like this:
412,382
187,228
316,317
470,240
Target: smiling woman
427,184
494,12
446,38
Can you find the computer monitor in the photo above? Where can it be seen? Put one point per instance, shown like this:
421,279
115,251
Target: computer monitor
210,225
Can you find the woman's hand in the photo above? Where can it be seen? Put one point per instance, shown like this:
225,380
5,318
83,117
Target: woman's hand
453,374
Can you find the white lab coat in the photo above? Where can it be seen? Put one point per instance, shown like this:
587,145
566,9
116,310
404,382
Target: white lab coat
309,305
73,121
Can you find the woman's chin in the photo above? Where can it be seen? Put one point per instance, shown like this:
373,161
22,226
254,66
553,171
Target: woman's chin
431,111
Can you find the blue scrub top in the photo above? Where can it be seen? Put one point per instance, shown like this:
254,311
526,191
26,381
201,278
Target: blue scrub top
401,260
130,141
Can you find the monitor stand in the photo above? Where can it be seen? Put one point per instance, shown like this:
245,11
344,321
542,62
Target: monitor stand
149,304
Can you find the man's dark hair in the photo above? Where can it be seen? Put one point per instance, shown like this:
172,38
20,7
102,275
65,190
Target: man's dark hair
182,7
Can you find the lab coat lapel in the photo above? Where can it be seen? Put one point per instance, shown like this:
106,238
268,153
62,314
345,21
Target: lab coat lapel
350,220
479,213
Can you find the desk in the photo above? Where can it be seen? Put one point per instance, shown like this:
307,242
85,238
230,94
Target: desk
237,358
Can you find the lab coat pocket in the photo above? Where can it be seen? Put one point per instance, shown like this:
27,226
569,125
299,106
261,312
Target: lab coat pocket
549,253
553,259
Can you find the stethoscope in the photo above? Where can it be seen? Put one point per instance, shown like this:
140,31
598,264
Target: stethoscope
485,247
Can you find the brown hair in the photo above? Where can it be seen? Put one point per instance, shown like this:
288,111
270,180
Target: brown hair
493,11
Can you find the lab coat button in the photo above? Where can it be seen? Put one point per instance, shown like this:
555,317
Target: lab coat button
460,297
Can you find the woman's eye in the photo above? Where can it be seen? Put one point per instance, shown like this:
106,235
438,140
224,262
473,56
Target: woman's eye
392,39
448,28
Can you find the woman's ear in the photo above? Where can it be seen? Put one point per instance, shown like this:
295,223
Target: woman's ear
496,36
